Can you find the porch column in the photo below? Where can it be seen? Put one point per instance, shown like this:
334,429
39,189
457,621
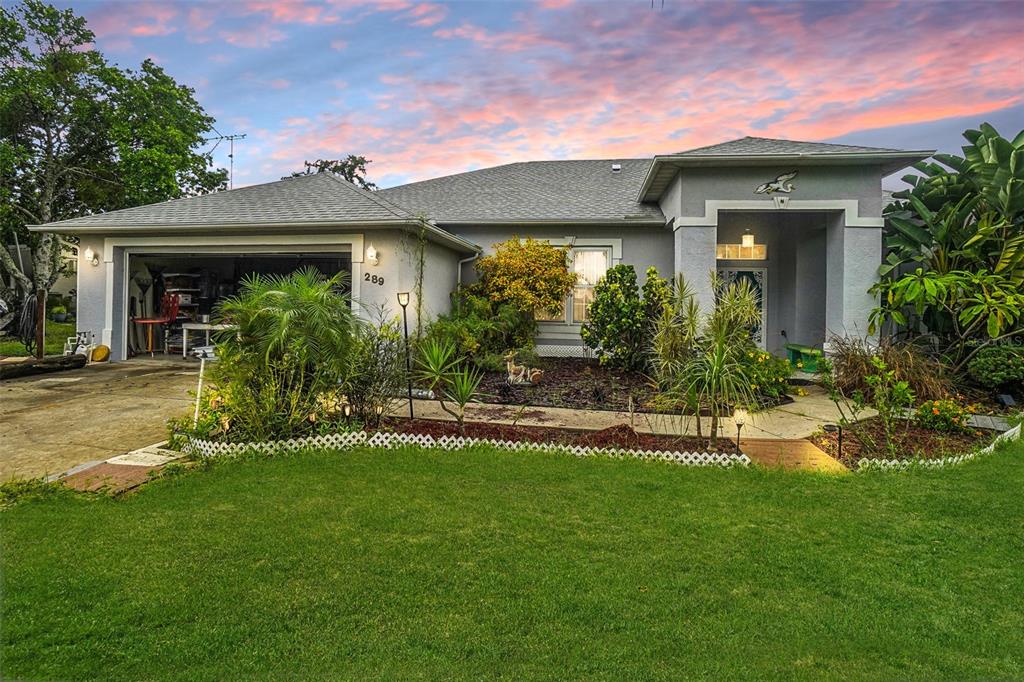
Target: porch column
695,259
853,257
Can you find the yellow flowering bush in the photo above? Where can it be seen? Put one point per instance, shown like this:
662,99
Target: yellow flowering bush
767,375
530,274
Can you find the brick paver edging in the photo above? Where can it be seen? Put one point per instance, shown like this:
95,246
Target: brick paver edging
343,441
905,464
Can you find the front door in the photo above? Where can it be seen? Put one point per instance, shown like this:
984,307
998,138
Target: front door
758,278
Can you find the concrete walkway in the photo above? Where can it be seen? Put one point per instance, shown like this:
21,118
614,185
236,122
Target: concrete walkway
794,421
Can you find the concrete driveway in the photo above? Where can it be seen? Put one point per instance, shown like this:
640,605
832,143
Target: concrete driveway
52,422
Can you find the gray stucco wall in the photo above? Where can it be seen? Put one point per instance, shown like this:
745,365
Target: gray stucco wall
92,283
862,183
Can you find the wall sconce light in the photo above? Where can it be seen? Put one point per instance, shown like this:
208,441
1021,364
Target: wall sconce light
371,255
748,240
91,256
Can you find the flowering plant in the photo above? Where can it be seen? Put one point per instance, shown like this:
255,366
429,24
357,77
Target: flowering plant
947,414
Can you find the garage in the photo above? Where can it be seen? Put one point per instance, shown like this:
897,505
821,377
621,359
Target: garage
198,282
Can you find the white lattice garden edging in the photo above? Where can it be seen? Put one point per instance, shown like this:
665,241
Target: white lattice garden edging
904,464
380,439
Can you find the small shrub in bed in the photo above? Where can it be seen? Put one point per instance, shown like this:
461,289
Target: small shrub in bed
376,378
621,324
999,367
945,415
767,375
481,330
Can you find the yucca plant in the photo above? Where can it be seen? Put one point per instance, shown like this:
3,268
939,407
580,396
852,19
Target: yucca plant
451,379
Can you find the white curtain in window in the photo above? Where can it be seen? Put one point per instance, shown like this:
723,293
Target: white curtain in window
590,266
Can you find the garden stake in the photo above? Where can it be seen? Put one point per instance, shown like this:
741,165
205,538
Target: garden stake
199,391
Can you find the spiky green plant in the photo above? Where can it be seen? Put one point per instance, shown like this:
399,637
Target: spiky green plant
449,377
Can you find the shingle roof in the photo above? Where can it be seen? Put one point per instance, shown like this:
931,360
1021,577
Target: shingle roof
531,191
318,198
754,146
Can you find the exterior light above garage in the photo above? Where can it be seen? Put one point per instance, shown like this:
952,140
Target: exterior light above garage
91,256
371,255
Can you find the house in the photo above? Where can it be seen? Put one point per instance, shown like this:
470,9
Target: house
801,220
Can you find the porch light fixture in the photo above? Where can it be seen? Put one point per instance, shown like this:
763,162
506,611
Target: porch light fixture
740,418
748,240
403,300
91,256
371,255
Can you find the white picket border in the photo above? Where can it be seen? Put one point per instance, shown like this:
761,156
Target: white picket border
877,464
385,440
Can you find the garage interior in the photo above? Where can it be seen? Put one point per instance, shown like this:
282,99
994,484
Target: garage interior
201,280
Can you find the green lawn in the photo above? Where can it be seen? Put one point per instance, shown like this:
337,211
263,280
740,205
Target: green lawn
56,334
372,565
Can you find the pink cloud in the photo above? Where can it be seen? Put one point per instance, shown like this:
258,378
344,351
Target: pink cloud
339,44
260,36
426,14
291,11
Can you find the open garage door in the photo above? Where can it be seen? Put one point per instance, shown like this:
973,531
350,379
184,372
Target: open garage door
200,281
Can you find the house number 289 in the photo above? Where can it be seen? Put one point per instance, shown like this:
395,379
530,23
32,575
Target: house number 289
373,279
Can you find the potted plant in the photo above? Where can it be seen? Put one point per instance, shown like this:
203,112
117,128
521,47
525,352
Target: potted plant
59,313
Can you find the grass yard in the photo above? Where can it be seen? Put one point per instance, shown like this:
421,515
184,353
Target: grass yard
372,565
56,334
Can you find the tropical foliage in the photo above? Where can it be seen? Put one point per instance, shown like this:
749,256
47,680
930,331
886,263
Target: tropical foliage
282,365
528,274
481,330
852,362
699,360
619,322
449,377
956,249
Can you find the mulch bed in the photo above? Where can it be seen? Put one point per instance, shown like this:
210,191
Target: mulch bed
576,383
621,436
913,442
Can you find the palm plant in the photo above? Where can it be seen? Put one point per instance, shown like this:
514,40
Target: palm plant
285,353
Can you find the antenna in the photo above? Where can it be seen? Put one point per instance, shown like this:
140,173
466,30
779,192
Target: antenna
231,152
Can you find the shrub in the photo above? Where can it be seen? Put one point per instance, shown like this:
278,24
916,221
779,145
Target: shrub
481,329
620,326
998,366
767,375
282,362
615,324
376,379
946,415
852,361
529,275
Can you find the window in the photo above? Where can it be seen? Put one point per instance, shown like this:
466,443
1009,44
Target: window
741,252
589,264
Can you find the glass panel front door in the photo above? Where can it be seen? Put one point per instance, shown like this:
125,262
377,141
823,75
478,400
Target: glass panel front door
758,278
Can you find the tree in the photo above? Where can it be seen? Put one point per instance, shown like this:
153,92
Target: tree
352,168
530,275
615,326
956,247
80,136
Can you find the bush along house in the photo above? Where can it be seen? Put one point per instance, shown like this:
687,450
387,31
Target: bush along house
801,220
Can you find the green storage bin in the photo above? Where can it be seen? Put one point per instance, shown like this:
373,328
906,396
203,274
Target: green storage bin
803,354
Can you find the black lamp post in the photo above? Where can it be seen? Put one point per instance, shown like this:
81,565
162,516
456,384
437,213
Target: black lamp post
403,300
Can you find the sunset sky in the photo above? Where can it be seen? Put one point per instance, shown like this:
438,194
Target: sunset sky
430,88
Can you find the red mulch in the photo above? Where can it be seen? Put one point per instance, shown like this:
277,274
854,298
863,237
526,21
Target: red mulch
109,478
620,436
913,442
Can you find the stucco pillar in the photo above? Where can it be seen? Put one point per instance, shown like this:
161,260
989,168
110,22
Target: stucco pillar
853,257
695,259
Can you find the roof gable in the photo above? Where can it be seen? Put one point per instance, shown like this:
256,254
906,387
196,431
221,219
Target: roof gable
757,146
318,198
